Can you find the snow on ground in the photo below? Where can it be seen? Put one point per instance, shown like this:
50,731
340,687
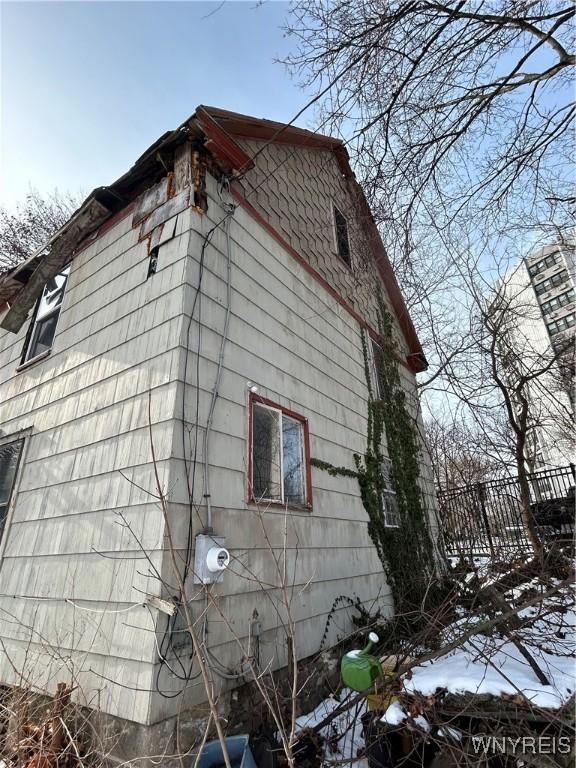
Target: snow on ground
394,715
482,665
348,724
466,671
493,665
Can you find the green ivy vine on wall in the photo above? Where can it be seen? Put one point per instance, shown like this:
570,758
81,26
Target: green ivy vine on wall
406,551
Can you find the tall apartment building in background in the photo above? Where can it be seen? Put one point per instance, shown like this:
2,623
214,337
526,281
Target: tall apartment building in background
540,294
551,272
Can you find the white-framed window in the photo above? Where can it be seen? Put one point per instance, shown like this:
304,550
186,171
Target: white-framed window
341,235
43,326
10,455
279,455
389,496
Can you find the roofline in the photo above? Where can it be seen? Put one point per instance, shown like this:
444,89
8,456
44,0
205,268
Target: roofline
230,125
220,128
237,125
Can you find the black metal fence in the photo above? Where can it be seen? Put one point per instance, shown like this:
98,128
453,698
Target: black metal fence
486,518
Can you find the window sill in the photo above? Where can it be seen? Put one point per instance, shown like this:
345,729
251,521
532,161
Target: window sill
33,361
265,503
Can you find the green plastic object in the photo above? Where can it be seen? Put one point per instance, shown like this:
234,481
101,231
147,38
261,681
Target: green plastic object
359,669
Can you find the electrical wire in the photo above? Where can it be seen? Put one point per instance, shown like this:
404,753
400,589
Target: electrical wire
105,610
215,391
190,467
213,662
229,209
163,648
161,655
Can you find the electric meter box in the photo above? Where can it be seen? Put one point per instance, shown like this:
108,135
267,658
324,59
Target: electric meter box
211,558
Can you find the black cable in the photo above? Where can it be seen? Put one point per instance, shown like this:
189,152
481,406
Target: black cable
191,484
167,642
186,675
191,466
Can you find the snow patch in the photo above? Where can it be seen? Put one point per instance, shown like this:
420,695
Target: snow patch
394,715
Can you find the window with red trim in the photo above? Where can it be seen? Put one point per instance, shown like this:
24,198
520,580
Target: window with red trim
279,454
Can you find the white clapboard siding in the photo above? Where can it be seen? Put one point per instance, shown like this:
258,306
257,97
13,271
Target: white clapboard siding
73,576
86,531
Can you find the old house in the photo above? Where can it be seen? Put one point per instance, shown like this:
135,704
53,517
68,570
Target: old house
193,332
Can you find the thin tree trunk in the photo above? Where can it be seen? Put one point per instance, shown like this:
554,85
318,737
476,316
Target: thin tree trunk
527,517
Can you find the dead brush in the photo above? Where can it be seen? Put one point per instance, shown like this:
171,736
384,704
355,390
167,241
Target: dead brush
47,743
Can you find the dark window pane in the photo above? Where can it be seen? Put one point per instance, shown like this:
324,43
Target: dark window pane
293,461
389,497
391,510
9,457
387,475
43,336
266,474
43,329
342,236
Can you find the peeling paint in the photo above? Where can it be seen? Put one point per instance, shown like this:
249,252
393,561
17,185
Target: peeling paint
166,211
150,200
182,167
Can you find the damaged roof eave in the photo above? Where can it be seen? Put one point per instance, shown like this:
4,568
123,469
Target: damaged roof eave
89,216
217,129
21,286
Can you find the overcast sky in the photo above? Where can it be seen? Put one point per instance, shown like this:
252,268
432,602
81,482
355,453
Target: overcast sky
88,86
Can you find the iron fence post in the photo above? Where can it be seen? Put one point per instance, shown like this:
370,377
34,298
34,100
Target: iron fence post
481,492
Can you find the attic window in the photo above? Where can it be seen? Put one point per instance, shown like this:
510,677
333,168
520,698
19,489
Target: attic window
341,236
43,326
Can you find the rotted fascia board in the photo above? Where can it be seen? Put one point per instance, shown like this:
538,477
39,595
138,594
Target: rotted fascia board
221,144
145,165
62,246
235,125
111,198
9,282
12,281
